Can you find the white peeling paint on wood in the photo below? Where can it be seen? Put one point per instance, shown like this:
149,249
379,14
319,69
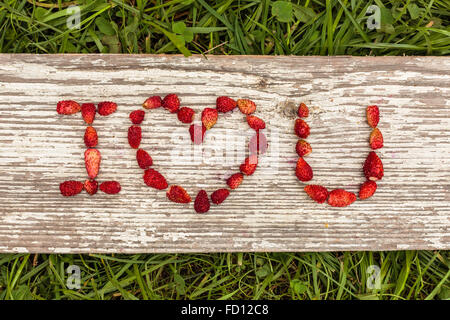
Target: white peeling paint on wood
269,212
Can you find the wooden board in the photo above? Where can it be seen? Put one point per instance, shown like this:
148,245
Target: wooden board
269,212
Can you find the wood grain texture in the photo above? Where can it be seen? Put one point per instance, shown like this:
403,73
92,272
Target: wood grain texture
269,212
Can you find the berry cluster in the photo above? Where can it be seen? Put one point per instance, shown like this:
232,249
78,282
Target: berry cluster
373,167
209,117
92,156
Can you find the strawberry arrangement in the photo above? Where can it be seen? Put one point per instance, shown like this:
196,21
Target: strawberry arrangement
92,156
372,168
209,117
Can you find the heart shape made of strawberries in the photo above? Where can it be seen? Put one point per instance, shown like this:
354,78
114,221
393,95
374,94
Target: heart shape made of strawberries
209,117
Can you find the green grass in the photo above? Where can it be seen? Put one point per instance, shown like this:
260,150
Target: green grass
306,27
227,27
403,275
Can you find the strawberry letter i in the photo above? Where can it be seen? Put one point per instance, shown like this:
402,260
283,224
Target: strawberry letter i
92,156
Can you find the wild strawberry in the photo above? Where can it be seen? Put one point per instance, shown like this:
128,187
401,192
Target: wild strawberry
303,111
134,136
92,158
143,159
258,143
106,108
90,137
67,107
171,102
303,171
235,180
373,116
152,102
154,179
110,187
186,115
178,194
373,167
303,148
70,188
225,104
209,117
317,193
367,189
201,203
249,165
219,196
301,128
197,133
246,106
91,186
88,111
137,116
341,198
376,139
256,123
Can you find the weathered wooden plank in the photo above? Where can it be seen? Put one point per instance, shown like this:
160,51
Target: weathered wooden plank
269,212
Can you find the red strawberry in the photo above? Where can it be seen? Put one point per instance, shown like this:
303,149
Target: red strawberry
303,111
219,196
92,158
256,123
367,189
137,116
341,198
249,165
317,193
209,117
376,139
301,128
225,104
171,102
91,186
110,187
303,148
154,179
373,116
258,143
186,115
134,136
70,188
143,159
105,108
88,111
90,137
303,170
201,203
197,133
235,180
152,102
178,194
67,107
373,167
246,106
